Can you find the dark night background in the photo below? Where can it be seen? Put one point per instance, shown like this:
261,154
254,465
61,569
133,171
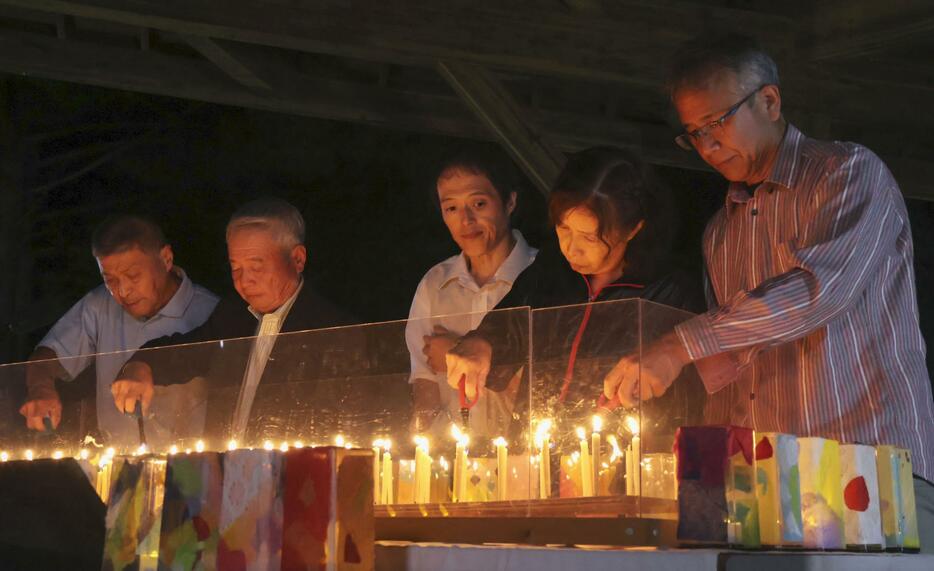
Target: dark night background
79,153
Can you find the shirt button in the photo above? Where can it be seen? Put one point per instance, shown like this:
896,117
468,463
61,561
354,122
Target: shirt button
754,211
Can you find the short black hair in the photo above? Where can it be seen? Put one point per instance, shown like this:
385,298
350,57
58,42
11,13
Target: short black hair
479,160
620,189
699,59
123,232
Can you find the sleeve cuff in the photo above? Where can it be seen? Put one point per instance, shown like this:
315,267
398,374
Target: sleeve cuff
698,337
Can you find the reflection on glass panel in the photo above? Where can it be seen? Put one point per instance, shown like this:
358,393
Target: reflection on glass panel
537,428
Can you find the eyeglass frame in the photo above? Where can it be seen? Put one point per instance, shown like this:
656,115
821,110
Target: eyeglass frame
687,139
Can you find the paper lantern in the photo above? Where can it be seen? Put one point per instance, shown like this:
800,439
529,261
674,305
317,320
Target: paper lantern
862,518
821,493
778,489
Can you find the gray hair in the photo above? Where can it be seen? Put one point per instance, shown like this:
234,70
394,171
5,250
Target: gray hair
120,233
274,215
700,59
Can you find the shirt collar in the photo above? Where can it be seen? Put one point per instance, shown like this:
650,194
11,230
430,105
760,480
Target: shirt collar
283,310
783,171
178,304
514,264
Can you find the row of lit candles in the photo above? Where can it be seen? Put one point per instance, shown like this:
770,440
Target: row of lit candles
589,458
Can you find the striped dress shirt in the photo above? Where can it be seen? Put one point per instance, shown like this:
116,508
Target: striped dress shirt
814,322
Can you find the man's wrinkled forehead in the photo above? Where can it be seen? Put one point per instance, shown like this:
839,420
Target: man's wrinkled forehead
702,101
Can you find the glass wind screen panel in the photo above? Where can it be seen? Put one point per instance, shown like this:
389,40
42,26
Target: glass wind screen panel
347,385
598,452
682,404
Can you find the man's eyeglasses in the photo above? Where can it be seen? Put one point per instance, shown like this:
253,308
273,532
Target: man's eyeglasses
688,140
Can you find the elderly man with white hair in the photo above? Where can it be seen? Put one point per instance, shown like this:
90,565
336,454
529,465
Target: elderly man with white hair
265,246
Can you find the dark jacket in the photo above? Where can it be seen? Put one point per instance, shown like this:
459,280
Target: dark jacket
297,370
579,334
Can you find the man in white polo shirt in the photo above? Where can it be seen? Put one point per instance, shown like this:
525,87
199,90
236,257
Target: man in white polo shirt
144,296
476,194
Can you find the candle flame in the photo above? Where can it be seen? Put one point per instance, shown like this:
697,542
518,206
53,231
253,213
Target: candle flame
459,436
581,433
84,454
58,455
232,445
542,432
617,453
299,444
378,443
267,445
284,446
422,442
632,425
387,444
111,452
4,456
141,450
199,446
339,440
597,423
173,450
28,454
499,441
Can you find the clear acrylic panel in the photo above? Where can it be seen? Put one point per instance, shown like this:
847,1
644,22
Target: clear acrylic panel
605,460
536,443
348,386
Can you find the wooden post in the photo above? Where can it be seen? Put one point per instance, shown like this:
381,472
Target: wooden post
496,108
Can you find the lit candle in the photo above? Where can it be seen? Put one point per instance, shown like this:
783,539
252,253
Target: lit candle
28,454
104,470
84,454
633,458
422,471
199,446
586,466
377,448
173,450
284,447
4,456
339,441
460,463
596,445
502,466
543,441
299,444
231,445
268,445
58,455
387,474
141,450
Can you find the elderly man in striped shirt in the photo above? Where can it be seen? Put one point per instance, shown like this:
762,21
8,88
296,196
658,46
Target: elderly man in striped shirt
814,322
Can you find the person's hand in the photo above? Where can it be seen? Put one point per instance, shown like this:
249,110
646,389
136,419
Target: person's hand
39,405
133,384
661,363
469,359
436,347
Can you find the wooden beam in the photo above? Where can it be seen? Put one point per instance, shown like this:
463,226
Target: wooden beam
222,55
609,46
300,94
847,29
65,27
495,108
873,41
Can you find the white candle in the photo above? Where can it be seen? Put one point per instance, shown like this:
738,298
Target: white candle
502,467
595,449
633,459
543,441
386,487
586,466
376,470
422,471
460,463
